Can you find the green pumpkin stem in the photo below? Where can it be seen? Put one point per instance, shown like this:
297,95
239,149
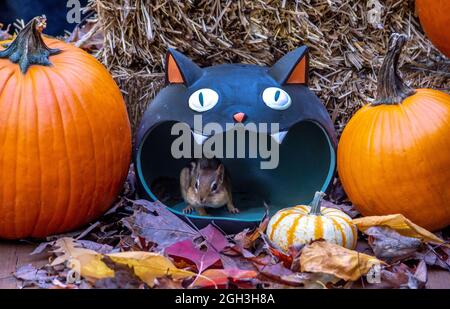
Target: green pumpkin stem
29,48
391,89
315,204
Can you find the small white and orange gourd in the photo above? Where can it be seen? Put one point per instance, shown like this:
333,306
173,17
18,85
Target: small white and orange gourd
302,224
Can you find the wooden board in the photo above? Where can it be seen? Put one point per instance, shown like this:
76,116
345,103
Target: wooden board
13,255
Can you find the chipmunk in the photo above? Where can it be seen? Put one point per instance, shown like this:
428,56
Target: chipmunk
206,183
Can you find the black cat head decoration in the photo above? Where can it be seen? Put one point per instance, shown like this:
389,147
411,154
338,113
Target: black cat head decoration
239,94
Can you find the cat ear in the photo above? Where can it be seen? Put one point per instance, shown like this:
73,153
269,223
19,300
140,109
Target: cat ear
180,69
292,68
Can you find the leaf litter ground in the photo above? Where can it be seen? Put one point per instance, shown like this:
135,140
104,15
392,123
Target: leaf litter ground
140,244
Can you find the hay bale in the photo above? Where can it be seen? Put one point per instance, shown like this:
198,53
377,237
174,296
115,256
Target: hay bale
347,40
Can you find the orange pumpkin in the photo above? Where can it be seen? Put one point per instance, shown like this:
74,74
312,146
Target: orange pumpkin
434,17
65,140
394,154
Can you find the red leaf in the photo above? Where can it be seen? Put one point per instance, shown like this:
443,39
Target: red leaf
203,254
220,278
286,259
214,238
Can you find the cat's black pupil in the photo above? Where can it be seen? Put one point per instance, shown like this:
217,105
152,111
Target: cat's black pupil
214,187
196,184
277,95
200,98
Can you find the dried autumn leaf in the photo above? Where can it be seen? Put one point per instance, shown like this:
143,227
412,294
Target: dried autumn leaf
400,224
31,276
4,35
328,258
90,264
389,245
403,276
347,209
246,238
435,256
149,266
124,277
69,250
220,278
203,254
155,223
274,272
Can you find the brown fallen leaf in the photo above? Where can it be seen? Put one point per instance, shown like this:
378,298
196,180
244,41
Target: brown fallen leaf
328,258
350,210
92,245
306,281
435,256
246,238
168,282
156,224
389,245
402,276
277,276
420,277
337,193
230,262
124,277
400,224
31,276
4,34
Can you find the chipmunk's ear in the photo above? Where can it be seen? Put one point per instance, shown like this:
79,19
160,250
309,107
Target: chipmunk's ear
180,69
292,68
193,168
220,172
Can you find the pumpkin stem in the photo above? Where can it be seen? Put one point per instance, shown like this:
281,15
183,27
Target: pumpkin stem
29,48
391,89
315,204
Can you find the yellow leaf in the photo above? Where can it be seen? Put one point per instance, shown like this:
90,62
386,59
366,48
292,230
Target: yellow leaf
147,266
400,224
69,251
91,266
328,258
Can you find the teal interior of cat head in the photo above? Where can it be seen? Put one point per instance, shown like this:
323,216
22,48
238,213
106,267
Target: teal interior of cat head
257,99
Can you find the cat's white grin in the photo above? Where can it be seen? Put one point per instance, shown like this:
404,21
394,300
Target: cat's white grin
235,140
200,138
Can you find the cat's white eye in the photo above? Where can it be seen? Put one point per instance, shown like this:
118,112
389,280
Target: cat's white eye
203,99
276,98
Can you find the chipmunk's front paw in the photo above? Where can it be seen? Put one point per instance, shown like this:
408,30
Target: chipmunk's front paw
188,210
233,210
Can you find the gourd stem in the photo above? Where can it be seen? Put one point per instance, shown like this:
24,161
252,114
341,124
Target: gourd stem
29,48
391,89
315,204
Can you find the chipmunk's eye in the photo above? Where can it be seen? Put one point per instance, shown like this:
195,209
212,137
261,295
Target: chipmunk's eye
203,99
276,98
214,186
197,184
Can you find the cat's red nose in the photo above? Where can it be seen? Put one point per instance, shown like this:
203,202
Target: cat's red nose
239,117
